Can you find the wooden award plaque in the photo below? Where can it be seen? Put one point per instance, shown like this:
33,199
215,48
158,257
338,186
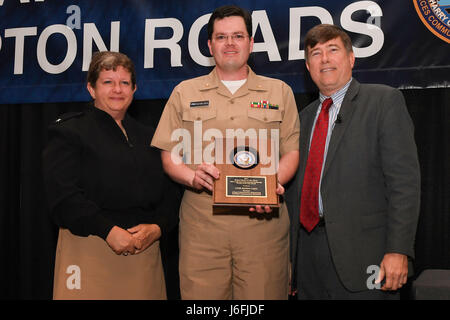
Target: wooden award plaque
247,176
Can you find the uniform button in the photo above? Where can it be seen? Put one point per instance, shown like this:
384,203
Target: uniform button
231,118
265,118
198,118
231,101
207,85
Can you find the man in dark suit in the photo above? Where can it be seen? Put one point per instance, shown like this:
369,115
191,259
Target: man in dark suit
354,202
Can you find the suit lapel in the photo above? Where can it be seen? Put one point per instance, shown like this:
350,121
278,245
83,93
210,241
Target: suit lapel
345,114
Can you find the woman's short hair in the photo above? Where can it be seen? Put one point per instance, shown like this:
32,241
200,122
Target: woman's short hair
108,60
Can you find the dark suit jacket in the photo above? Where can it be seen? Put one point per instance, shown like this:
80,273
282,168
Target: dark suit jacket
370,185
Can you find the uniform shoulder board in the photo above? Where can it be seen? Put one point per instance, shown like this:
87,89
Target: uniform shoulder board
67,116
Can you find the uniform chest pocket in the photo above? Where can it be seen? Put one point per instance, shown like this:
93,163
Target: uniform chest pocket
265,115
199,115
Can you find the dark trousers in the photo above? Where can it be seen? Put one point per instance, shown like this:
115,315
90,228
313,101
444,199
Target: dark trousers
316,274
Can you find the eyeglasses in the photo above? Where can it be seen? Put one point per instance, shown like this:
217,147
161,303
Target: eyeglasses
237,37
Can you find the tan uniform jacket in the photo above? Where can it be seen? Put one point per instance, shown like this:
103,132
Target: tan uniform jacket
206,99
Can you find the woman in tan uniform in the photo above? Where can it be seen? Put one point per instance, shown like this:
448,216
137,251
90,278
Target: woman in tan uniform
108,193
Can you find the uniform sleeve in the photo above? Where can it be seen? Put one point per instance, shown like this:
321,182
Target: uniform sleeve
170,120
61,169
290,126
167,212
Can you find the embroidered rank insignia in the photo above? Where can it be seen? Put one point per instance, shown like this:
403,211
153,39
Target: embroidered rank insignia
68,116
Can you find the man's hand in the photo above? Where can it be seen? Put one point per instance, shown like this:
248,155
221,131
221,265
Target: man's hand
267,209
395,268
204,176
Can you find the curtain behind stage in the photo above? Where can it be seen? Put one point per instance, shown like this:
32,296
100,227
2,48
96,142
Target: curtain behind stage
28,237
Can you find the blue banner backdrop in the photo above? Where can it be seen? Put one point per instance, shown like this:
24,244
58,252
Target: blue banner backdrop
46,46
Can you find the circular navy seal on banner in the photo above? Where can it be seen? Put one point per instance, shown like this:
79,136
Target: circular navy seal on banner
244,157
435,15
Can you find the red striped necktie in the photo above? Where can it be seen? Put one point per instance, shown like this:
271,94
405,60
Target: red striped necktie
309,205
